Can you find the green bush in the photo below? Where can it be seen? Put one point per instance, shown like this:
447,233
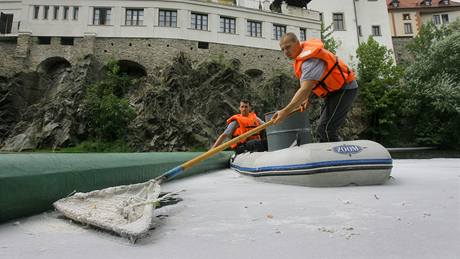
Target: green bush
109,113
380,92
433,81
424,107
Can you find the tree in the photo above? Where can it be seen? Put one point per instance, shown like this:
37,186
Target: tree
429,34
327,37
433,82
380,91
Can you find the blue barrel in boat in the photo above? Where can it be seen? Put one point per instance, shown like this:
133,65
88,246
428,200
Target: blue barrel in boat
293,131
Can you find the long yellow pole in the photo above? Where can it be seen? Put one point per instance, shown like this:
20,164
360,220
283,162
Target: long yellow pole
225,145
179,169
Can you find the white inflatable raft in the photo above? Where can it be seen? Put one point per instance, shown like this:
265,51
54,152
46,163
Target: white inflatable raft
360,162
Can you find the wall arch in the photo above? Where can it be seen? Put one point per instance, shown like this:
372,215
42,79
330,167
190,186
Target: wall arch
52,65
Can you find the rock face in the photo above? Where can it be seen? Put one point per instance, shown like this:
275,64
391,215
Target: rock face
187,104
43,110
183,106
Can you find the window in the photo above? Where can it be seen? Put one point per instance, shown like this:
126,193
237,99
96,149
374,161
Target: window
303,34
44,40
406,16
203,45
408,28
337,19
255,29
75,12
36,11
66,13
134,17
6,22
199,21
56,13
376,30
360,32
67,41
227,25
46,10
445,18
278,31
168,18
102,16
436,19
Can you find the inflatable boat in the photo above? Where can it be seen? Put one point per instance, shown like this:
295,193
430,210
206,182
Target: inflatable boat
360,162
292,158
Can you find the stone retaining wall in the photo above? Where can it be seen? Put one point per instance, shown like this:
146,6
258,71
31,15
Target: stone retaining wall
150,53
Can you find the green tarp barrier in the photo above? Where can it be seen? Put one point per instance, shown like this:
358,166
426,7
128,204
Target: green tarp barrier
30,183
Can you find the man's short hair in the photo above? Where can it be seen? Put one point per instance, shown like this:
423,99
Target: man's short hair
245,101
291,36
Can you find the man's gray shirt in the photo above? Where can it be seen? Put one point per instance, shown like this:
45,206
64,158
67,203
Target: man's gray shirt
313,69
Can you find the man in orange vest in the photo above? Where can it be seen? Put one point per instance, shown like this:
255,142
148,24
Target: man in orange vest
324,74
239,124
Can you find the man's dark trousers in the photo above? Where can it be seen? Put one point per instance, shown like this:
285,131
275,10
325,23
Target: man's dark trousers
333,114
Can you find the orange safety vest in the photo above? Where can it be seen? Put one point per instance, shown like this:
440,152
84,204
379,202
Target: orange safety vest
246,123
336,74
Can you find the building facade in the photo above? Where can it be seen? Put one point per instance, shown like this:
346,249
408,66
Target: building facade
407,16
188,20
354,21
151,32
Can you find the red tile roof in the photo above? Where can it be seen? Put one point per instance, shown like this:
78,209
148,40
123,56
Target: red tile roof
421,4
